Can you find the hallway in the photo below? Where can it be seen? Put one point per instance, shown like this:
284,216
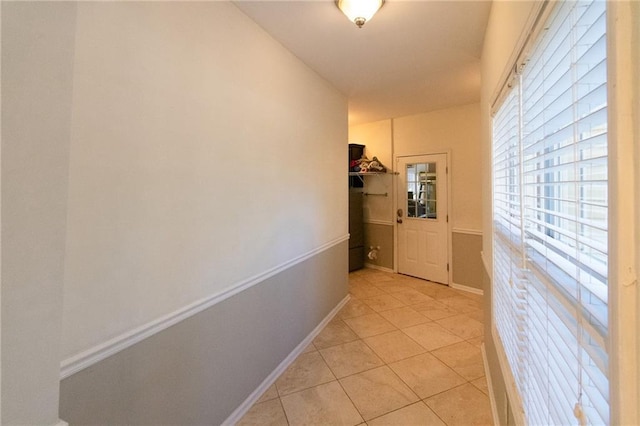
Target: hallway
402,351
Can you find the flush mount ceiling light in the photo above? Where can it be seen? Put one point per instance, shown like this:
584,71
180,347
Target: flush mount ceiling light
359,11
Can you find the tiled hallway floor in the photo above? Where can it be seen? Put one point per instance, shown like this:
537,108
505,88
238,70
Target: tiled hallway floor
401,352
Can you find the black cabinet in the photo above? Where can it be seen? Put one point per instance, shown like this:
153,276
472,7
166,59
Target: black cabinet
356,227
356,231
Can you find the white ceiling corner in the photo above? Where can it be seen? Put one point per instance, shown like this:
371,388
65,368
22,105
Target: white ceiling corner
412,57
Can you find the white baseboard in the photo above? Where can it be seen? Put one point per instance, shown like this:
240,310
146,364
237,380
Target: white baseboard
62,423
271,378
492,397
467,289
379,268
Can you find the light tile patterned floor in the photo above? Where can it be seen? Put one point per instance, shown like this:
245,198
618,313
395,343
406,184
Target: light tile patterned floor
402,351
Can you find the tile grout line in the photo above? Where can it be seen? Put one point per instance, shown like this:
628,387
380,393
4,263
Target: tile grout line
352,402
361,339
430,352
284,411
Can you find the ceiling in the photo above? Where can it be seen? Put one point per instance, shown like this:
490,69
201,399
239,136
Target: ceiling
412,57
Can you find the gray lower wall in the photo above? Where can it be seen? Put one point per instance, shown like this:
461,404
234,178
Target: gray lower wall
466,260
499,390
201,369
379,235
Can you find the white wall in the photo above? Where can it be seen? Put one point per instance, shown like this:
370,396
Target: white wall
37,60
187,152
456,129
202,154
636,72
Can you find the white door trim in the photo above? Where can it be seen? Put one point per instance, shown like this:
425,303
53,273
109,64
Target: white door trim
449,210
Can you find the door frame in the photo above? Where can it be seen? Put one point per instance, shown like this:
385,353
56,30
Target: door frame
396,173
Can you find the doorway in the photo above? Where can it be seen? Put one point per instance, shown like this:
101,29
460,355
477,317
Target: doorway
422,217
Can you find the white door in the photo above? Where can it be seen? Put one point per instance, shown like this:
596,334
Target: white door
422,216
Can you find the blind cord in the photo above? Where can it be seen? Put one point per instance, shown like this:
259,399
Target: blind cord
578,411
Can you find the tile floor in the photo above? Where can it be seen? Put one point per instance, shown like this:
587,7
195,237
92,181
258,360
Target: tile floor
401,352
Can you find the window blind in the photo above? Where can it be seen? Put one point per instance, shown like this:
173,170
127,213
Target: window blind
550,221
509,310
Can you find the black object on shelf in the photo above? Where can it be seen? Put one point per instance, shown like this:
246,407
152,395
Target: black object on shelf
356,151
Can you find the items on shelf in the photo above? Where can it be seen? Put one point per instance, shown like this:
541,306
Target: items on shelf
364,165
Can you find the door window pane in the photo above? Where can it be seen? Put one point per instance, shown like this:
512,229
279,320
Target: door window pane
421,190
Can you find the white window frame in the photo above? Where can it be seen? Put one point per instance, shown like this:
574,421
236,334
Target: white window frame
623,30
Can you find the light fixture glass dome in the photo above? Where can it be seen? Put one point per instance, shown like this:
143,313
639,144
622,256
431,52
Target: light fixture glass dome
359,11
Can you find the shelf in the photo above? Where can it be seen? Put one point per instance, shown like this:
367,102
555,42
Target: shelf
361,175
366,174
